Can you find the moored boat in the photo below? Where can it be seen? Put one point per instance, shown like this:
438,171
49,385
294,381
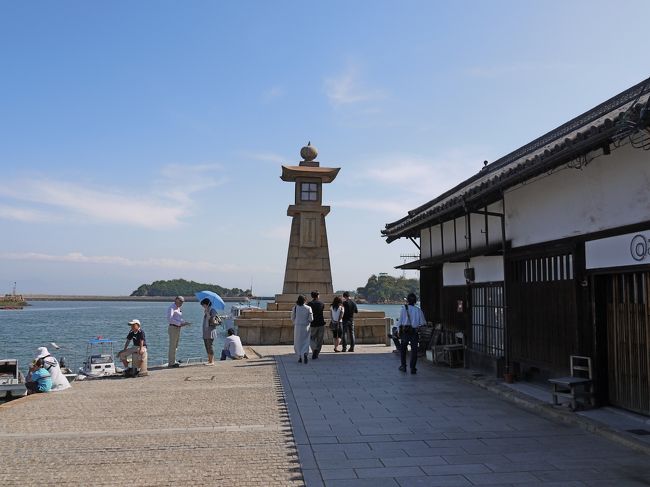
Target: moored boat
99,360
228,321
12,380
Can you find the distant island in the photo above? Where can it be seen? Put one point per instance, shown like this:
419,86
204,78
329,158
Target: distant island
182,287
385,289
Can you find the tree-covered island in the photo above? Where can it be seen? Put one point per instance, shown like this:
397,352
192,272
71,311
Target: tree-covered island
182,287
384,289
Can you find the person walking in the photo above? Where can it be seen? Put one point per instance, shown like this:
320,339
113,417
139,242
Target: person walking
301,316
336,324
317,328
176,322
411,319
350,308
210,322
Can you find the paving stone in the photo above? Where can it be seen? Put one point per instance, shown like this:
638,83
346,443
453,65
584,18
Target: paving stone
187,426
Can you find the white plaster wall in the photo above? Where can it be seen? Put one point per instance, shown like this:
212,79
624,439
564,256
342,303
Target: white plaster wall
448,232
486,269
611,191
425,240
453,274
436,245
494,223
461,241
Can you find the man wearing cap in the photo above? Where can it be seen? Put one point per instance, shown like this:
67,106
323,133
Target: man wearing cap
138,351
176,322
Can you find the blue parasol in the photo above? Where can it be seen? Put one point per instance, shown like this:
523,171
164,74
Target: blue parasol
215,299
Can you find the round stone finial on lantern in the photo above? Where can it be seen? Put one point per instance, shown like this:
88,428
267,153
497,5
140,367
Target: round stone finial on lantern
309,152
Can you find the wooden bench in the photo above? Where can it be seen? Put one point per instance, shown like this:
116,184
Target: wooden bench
578,387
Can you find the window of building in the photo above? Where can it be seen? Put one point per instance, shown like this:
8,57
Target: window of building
309,192
487,319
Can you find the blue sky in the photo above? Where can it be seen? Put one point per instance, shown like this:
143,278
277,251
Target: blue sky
143,140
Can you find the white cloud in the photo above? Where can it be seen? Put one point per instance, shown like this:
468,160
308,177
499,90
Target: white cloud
265,157
22,214
347,88
383,205
428,177
273,93
137,205
401,182
114,260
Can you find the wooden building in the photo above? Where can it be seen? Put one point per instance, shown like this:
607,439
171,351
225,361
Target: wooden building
545,253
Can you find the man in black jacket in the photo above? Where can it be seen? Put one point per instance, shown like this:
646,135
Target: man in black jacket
349,310
317,328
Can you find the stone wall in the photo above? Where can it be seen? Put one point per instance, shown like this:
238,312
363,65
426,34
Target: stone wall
264,327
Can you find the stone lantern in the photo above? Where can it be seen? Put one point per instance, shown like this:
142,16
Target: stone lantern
308,265
308,262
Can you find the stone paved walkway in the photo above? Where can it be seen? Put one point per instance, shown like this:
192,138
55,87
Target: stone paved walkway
359,422
192,426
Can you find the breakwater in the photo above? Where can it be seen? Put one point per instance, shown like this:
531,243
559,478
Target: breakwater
67,297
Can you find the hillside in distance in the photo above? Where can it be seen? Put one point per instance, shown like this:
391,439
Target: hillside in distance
182,287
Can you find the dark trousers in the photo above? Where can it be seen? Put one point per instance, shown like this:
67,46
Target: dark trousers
348,335
412,338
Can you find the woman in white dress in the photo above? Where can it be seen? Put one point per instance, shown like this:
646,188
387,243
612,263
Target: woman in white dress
301,316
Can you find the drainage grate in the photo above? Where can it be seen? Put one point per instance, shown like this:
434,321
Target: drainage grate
640,432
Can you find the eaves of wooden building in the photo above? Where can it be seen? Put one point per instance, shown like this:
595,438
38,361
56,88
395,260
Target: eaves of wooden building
545,253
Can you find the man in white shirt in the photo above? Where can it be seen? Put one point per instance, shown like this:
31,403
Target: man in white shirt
410,320
176,322
232,347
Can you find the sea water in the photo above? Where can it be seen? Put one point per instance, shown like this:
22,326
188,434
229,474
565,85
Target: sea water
70,324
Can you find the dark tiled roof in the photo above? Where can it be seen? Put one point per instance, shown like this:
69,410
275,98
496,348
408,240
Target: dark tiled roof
596,128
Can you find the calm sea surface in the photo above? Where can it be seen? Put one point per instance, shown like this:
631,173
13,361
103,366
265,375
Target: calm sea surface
71,323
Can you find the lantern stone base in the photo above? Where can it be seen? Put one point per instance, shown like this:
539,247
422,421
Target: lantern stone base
274,327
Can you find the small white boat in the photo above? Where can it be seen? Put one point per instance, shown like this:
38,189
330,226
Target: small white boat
99,361
228,321
12,380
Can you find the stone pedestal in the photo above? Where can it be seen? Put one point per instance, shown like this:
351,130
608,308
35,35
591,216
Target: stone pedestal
272,327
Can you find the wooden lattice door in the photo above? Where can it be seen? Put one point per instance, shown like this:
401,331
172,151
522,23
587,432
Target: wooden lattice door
628,341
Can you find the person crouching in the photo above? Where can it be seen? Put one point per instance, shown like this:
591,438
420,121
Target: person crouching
232,347
38,378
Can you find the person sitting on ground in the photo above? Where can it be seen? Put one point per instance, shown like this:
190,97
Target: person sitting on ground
38,378
59,381
232,347
138,351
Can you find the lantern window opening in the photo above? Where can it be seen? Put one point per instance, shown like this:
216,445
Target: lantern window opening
309,192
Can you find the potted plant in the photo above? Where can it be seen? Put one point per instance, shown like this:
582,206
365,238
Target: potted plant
508,374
